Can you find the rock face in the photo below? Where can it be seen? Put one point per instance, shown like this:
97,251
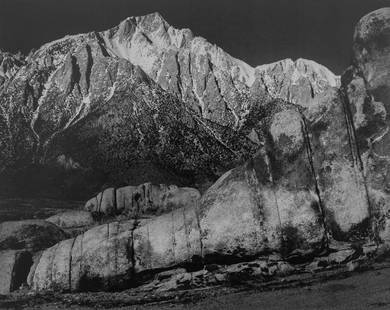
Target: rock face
117,254
9,65
99,258
33,235
298,82
143,200
367,87
141,91
270,203
14,268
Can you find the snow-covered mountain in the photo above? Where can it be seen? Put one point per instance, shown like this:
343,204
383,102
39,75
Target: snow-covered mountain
144,90
220,86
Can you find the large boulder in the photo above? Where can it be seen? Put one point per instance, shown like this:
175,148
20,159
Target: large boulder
372,52
168,240
270,204
100,258
103,203
366,85
33,235
339,176
143,200
14,268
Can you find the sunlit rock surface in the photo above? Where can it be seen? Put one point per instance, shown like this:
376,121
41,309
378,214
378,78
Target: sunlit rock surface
367,86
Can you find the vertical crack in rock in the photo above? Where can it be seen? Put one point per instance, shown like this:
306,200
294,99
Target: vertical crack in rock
70,265
310,156
52,262
187,232
200,233
253,183
81,256
356,160
131,248
108,255
108,252
114,202
172,211
312,93
116,249
356,157
271,180
173,235
100,202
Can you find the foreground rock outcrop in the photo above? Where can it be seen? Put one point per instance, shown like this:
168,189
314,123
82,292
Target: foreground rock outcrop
99,258
367,87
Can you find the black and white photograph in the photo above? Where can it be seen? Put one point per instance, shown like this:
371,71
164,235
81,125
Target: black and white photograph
195,154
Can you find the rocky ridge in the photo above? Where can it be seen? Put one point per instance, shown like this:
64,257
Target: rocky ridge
221,87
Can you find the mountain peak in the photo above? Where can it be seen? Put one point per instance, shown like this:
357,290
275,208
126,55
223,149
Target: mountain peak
150,22
219,87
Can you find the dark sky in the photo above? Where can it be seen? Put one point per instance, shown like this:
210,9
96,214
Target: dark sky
256,31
